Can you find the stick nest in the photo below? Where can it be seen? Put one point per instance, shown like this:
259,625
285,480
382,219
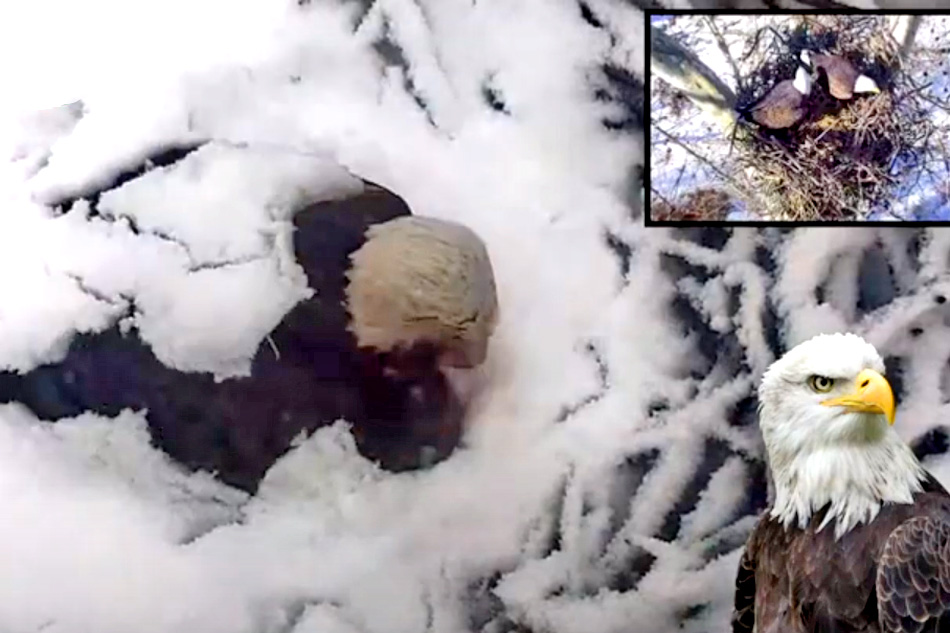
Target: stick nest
698,205
843,158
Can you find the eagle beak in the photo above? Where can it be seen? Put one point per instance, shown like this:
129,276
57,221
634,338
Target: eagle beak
872,394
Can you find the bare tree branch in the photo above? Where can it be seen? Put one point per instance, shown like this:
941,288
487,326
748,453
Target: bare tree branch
721,43
682,69
738,188
905,30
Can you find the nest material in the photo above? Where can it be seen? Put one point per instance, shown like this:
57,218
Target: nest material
843,159
699,205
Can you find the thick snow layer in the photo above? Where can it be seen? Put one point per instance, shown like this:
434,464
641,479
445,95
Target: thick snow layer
109,536
611,467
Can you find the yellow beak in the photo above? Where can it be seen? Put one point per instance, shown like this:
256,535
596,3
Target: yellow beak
872,394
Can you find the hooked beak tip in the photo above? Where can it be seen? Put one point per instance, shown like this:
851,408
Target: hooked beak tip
872,394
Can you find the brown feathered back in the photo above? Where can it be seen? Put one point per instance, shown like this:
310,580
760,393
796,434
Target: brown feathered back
804,581
780,108
841,74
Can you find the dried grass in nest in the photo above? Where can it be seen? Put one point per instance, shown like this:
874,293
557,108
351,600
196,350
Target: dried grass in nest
699,205
842,160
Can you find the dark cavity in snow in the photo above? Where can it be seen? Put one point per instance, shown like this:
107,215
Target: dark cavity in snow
621,249
603,378
715,453
626,90
392,54
588,16
160,157
625,482
493,97
934,442
876,284
894,369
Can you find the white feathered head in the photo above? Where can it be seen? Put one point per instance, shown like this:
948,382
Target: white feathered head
826,413
423,280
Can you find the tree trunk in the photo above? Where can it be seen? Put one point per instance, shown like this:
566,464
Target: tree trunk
905,30
682,69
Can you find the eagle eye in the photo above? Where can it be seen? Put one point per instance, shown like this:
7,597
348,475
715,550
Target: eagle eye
821,384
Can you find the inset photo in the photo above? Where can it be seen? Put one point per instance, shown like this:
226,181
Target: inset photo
797,118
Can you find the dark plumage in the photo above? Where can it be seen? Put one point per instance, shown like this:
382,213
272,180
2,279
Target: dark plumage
802,580
240,426
857,536
783,106
843,78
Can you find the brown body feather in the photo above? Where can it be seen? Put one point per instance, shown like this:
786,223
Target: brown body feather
841,75
782,107
891,575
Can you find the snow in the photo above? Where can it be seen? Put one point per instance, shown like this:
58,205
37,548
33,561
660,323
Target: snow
917,194
107,533
231,224
674,170
611,467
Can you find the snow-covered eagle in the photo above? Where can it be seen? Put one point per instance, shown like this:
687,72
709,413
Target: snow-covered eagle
397,300
858,535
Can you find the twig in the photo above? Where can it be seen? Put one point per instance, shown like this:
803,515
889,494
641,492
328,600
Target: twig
721,42
939,104
273,346
754,46
946,162
679,177
778,36
703,159
662,197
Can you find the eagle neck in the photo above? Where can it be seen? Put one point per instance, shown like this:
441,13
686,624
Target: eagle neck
852,481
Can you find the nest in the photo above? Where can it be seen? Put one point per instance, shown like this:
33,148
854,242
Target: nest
845,157
702,204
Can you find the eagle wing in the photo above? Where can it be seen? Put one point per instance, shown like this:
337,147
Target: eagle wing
913,577
781,95
780,108
841,75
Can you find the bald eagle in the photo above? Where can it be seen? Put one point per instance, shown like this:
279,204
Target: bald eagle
783,106
858,535
844,80
393,312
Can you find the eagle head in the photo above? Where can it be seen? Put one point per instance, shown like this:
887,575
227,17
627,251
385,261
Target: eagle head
830,389
826,413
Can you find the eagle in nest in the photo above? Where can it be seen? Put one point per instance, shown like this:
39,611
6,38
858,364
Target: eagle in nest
784,105
401,306
844,80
